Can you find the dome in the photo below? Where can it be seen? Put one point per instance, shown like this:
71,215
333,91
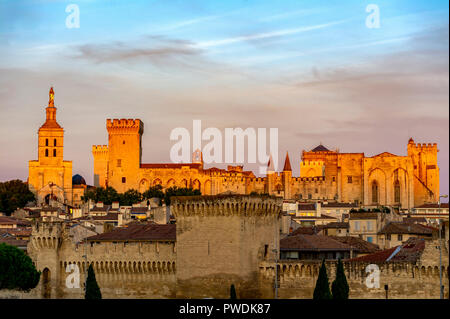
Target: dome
78,180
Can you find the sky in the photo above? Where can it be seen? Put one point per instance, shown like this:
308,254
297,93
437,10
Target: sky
312,69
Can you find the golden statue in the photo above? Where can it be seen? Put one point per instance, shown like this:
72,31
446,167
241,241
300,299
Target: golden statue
52,96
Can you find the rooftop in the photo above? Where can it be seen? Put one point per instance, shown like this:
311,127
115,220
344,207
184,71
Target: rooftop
139,232
304,242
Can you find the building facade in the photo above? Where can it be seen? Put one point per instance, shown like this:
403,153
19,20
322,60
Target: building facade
381,180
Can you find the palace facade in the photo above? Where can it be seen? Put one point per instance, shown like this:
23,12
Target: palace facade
384,179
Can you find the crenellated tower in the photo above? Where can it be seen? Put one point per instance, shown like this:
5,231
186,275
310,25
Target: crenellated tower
100,153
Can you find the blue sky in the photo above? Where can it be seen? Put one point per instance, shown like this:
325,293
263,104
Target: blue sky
311,68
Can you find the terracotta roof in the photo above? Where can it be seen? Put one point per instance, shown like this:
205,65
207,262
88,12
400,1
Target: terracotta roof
137,232
14,242
312,243
5,220
410,251
357,244
349,205
139,210
307,230
414,219
337,225
406,228
320,148
322,216
287,163
436,206
362,215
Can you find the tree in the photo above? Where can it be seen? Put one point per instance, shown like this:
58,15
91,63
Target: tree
99,194
16,269
14,194
322,289
232,292
130,197
154,191
339,287
92,288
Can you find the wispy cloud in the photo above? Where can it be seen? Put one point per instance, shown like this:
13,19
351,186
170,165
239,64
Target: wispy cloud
287,15
265,35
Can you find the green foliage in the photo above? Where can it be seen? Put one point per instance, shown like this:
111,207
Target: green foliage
92,288
99,194
232,292
14,194
179,191
339,287
130,197
16,269
154,191
322,289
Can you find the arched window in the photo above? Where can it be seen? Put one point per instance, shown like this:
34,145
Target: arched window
46,152
397,191
54,142
375,192
54,152
46,142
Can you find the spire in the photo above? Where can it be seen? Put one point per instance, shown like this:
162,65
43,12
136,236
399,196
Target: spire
287,164
270,167
50,121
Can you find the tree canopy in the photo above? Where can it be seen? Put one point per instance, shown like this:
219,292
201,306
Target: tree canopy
339,287
322,289
14,194
92,288
16,269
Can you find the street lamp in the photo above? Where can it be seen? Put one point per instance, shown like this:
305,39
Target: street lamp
441,287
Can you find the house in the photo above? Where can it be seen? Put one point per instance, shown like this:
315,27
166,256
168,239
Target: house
11,222
366,225
313,247
431,212
360,246
336,229
338,210
396,233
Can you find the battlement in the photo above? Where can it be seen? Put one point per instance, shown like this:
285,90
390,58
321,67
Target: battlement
99,149
116,125
423,146
311,163
226,205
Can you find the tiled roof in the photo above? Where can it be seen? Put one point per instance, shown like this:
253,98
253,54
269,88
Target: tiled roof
14,242
137,232
322,216
306,230
320,148
406,228
306,206
410,251
357,244
362,215
436,206
331,205
337,225
139,209
5,220
414,219
312,243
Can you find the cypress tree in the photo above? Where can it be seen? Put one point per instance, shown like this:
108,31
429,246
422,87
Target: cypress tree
92,288
339,287
232,292
322,290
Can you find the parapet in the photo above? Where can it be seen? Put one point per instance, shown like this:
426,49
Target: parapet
99,149
311,163
116,125
423,146
226,205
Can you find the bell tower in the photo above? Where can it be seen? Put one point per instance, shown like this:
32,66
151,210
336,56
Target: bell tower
50,177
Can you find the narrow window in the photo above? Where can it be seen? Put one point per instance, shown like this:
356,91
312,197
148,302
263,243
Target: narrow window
124,180
119,163
349,179
397,191
54,152
374,192
54,142
266,250
46,142
400,237
46,152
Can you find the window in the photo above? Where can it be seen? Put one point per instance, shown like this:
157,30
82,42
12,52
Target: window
334,178
375,192
123,142
46,152
369,225
54,142
349,179
119,163
357,225
388,236
266,250
316,190
46,142
54,152
400,237
397,191
370,239
124,180
300,196
309,196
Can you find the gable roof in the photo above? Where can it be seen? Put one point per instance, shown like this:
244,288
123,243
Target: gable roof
304,242
139,232
357,244
406,228
320,148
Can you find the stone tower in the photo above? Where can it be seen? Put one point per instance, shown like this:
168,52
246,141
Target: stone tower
286,176
43,248
100,153
221,240
426,171
50,177
124,153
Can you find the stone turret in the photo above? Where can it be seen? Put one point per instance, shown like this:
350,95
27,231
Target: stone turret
221,240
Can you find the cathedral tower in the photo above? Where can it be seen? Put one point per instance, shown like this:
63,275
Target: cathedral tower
50,177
